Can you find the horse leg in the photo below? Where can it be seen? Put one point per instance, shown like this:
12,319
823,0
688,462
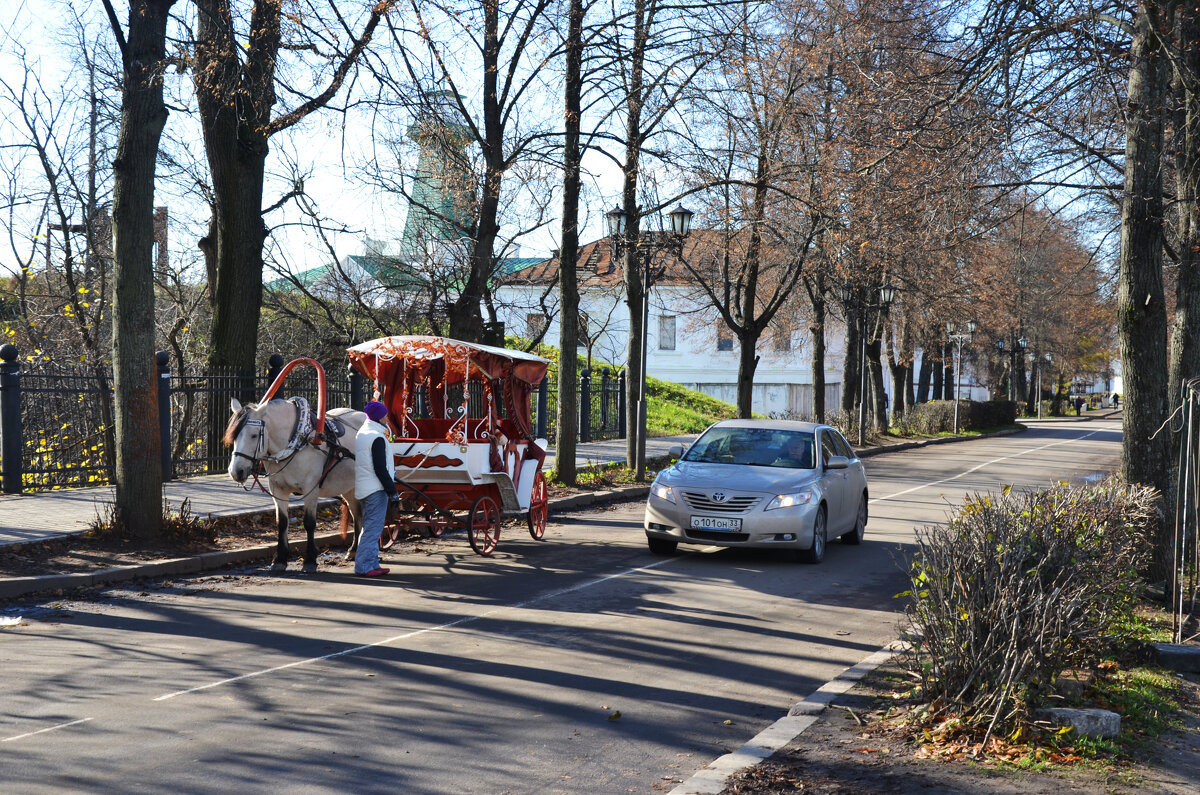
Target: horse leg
310,528
354,508
281,522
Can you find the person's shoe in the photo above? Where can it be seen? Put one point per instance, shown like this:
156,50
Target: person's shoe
372,573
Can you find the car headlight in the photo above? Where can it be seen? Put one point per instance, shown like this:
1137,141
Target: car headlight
789,500
662,492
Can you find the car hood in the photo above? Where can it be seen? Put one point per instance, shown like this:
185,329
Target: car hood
773,480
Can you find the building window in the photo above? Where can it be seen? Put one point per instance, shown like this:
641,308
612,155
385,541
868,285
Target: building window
781,340
724,339
535,325
666,333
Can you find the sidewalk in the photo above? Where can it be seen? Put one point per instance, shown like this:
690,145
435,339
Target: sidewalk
55,514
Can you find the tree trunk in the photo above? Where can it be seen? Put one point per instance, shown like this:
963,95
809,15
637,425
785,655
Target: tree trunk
143,116
851,376
939,376
924,378
747,364
1141,310
635,295
878,414
817,296
1185,335
568,329
899,370
949,384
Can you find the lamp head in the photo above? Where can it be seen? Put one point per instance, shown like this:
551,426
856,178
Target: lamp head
681,220
617,219
887,294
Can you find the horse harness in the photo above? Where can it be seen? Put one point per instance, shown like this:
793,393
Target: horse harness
302,433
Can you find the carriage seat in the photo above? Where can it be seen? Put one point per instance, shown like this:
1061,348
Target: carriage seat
431,429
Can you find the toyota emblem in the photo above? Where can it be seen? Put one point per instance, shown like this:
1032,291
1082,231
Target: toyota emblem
718,496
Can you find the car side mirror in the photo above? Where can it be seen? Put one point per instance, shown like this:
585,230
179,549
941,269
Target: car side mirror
675,451
837,462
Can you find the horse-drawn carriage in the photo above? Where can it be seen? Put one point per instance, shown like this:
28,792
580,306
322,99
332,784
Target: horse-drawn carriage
462,437
462,441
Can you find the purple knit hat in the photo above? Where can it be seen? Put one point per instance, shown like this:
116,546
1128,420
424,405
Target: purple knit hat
375,410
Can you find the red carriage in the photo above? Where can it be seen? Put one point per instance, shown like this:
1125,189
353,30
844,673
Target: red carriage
462,437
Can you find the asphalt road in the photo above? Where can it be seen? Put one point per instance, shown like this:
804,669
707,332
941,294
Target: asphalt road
460,674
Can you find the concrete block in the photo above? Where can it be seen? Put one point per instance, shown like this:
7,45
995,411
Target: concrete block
1178,657
1085,722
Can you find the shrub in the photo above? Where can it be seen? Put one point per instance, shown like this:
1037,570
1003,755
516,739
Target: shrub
1020,586
937,416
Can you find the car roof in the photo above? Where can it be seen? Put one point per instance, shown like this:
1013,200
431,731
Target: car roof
776,425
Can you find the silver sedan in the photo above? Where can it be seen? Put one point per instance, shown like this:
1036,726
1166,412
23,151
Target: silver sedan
760,483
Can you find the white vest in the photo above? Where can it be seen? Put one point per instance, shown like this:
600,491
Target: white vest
365,481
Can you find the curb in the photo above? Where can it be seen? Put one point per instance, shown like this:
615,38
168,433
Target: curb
208,561
711,778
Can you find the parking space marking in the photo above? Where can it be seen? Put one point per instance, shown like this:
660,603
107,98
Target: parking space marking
43,731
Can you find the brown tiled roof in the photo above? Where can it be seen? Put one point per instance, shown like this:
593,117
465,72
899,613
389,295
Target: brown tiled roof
597,268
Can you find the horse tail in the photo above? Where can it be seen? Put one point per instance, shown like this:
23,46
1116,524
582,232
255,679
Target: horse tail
344,526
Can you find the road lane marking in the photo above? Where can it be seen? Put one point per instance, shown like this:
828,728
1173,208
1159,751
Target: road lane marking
43,731
405,636
977,467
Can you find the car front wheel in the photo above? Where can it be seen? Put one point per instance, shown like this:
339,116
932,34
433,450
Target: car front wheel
662,546
816,553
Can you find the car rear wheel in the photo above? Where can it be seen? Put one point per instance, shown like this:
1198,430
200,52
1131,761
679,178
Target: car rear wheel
816,553
855,536
662,546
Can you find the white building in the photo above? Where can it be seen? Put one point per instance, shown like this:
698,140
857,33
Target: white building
687,343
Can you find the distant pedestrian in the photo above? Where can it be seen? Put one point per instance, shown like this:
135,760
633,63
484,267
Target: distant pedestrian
1116,401
1078,406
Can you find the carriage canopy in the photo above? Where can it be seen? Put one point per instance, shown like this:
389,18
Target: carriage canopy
399,365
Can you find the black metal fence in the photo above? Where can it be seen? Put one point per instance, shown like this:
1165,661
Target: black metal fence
601,408
56,426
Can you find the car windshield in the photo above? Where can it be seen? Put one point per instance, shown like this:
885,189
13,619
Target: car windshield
760,447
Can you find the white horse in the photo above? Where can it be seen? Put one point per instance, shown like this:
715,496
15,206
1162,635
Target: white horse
278,436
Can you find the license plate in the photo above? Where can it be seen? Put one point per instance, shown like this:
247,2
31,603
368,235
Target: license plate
716,523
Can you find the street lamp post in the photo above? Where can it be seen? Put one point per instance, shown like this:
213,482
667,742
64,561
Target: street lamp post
887,294
1049,359
647,244
958,338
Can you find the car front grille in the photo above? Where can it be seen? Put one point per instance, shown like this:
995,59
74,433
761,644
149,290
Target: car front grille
716,535
699,501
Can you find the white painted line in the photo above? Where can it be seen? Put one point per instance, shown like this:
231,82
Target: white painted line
978,467
42,731
416,632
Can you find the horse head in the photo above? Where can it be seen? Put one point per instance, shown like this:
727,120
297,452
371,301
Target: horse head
247,435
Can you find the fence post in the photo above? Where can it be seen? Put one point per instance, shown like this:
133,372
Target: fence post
274,365
543,400
585,406
10,419
162,361
605,386
622,421
358,386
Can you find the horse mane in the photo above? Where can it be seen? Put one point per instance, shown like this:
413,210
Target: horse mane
236,422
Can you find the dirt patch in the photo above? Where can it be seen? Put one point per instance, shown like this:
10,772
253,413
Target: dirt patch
851,749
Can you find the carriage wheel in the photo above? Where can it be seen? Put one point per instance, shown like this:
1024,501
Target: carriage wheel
483,529
389,535
539,507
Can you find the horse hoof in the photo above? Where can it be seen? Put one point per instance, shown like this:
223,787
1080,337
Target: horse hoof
277,567
309,568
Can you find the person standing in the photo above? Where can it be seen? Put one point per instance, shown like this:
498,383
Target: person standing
374,487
